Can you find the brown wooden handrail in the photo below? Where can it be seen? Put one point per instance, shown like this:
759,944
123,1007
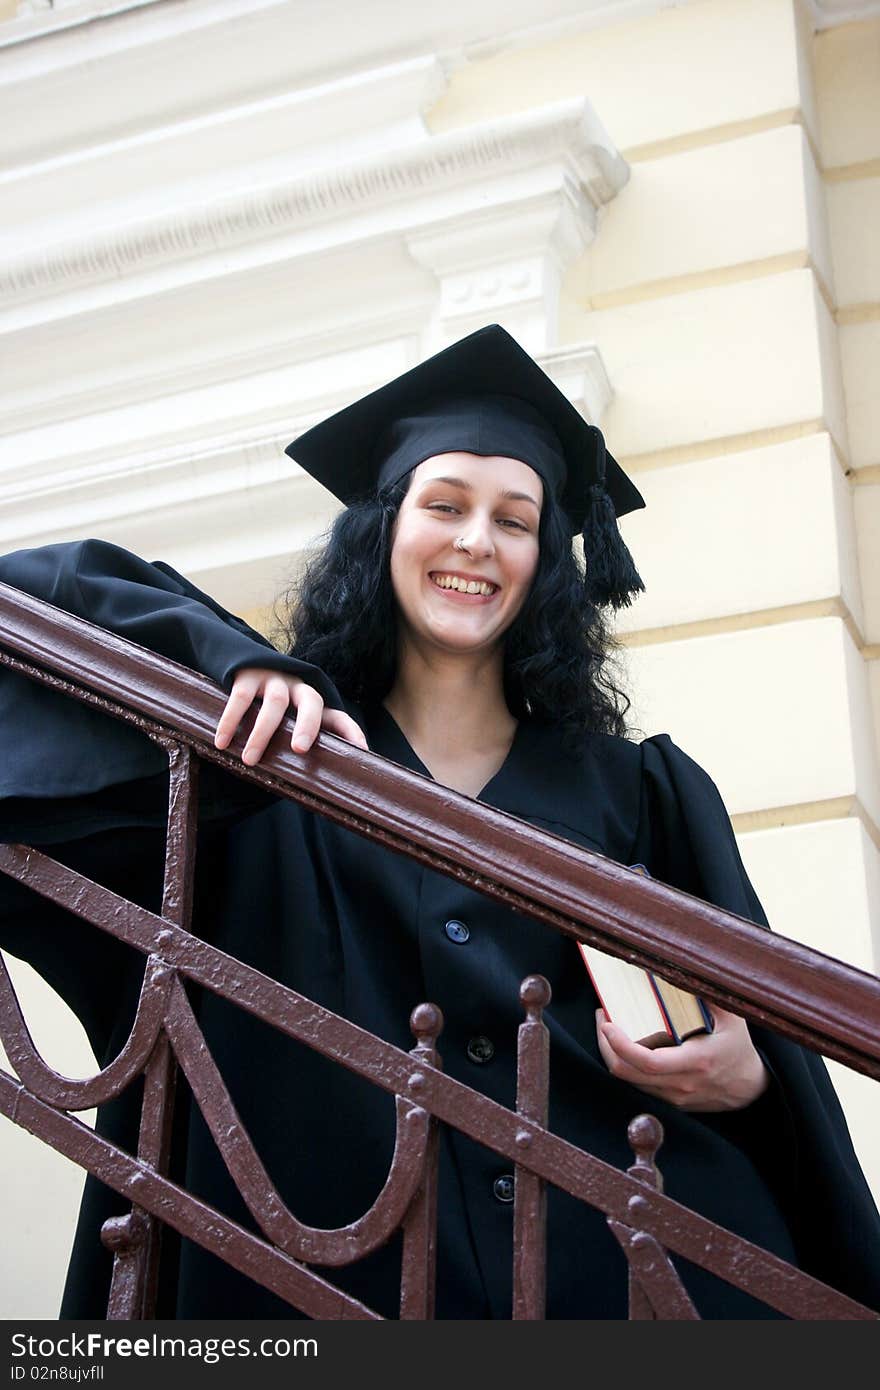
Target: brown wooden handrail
825,1004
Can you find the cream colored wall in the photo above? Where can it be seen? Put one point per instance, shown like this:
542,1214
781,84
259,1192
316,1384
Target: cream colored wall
733,292
41,1189
847,63
847,68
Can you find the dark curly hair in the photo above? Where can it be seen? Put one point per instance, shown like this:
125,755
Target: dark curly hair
558,653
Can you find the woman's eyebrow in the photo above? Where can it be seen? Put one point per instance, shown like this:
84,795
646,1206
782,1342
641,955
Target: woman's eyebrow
450,482
520,497
509,494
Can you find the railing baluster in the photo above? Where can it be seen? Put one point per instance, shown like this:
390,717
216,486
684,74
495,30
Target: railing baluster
125,1236
419,1259
644,1141
655,1289
154,1148
136,1239
530,1192
665,1294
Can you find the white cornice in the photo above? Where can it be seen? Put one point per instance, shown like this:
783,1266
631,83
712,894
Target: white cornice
440,176
114,25
117,24
296,125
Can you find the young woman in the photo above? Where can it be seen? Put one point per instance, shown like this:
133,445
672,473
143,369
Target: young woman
447,626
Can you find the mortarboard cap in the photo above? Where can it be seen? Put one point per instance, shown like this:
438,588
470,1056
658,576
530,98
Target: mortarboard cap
484,395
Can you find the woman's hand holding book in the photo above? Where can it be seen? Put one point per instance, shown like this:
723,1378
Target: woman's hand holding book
713,1071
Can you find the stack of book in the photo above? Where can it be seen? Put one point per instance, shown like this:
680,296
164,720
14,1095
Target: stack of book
648,1008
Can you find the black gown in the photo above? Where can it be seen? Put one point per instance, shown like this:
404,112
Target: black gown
363,932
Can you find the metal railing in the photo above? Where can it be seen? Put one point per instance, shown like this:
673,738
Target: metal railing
809,997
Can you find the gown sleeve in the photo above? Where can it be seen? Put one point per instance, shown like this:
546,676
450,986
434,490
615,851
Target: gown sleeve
796,1131
92,789
55,747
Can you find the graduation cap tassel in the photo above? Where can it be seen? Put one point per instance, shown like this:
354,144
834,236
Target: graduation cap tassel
611,576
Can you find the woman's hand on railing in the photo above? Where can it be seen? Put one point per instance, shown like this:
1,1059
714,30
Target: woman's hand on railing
277,693
720,1070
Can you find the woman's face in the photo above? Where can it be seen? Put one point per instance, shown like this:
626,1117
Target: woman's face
464,599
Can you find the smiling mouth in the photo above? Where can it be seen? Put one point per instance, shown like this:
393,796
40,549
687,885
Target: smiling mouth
459,584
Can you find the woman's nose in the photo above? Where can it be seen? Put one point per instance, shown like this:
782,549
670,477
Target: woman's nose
476,536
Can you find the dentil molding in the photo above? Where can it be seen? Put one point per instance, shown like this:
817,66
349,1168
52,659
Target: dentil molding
441,177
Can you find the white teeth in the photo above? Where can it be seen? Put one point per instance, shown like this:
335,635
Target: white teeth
464,586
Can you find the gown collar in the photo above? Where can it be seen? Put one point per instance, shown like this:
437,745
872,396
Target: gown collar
592,799
386,737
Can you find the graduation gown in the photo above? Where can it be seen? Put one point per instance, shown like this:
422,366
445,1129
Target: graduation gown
366,933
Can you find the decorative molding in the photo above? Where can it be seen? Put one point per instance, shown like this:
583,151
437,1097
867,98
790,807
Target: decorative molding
490,264
216,53
402,28
474,27
115,25
442,176
65,13
579,372
303,127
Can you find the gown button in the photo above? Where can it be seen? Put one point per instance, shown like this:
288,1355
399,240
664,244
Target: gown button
480,1049
457,932
502,1187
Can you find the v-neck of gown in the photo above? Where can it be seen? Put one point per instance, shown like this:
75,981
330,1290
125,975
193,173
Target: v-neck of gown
386,737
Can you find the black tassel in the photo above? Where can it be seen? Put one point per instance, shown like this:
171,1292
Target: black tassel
611,576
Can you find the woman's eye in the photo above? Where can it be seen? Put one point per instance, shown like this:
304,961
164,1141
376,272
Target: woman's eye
441,507
513,524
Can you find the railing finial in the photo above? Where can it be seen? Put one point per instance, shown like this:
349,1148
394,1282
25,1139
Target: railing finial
534,995
645,1135
426,1024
